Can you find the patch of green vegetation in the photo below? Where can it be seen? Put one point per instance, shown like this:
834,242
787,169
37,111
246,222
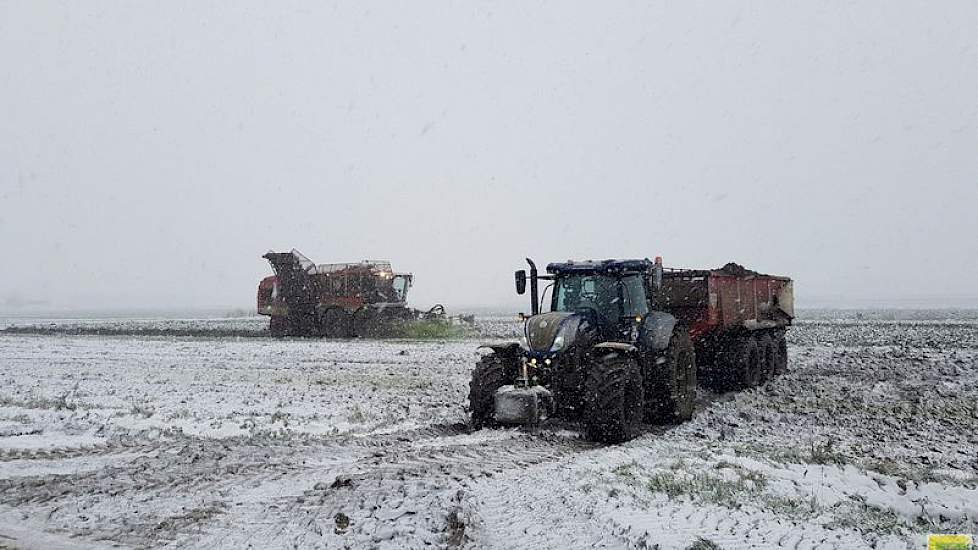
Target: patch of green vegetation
867,518
626,470
919,473
377,381
791,507
59,403
825,453
356,415
817,453
432,330
708,487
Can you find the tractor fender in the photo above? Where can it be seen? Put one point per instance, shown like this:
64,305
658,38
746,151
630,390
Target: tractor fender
656,330
509,349
615,346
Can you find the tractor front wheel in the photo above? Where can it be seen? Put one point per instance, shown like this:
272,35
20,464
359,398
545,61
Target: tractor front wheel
613,399
491,373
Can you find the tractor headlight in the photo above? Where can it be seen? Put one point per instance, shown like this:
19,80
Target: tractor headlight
558,343
566,334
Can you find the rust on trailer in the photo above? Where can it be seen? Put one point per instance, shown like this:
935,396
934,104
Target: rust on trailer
725,299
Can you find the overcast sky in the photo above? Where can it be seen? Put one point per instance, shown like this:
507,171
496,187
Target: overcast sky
150,152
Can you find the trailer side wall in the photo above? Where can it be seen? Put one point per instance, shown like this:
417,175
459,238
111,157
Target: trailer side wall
714,301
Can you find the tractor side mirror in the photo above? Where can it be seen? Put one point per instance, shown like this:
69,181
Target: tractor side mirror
521,281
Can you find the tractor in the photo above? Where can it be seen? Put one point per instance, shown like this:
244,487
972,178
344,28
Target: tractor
616,348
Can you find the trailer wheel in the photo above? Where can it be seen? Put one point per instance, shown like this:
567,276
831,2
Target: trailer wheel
748,363
337,323
780,354
613,399
670,381
769,357
491,373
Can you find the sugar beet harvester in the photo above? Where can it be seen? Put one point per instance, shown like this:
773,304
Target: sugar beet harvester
335,300
625,341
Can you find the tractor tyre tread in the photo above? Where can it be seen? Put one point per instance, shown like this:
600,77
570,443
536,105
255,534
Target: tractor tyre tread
613,399
490,373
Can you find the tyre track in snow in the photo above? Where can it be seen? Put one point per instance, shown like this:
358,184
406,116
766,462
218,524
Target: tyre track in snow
177,474
400,495
508,488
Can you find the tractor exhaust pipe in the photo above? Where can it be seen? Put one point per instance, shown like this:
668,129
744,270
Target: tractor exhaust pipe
534,299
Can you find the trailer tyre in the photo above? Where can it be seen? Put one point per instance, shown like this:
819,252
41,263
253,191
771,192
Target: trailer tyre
769,357
670,381
613,399
748,365
491,373
780,354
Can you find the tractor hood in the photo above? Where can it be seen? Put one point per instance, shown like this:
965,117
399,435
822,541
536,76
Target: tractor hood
543,329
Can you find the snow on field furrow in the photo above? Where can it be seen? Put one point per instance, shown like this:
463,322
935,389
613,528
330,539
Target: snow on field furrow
879,484
238,443
405,493
235,387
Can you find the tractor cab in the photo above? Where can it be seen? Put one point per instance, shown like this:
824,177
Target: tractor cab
606,300
610,295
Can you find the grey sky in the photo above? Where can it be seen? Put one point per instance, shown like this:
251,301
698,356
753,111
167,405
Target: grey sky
150,152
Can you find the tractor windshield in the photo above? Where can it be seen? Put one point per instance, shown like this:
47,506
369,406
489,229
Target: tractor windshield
579,293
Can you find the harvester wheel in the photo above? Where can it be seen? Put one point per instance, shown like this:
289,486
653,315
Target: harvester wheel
780,354
278,326
337,323
365,323
613,399
491,373
670,381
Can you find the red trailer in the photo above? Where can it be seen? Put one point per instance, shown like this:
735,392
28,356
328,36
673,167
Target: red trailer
732,313
725,299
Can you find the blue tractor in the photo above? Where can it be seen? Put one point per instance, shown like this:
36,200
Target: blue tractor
605,354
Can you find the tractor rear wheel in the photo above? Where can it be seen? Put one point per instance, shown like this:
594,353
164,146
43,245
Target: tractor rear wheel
670,381
614,399
492,372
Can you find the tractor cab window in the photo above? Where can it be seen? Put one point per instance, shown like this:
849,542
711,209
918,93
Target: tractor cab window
633,291
580,293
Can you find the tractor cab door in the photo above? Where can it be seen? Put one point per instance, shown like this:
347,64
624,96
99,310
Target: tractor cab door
635,306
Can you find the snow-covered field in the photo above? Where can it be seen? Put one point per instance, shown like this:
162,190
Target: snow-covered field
145,438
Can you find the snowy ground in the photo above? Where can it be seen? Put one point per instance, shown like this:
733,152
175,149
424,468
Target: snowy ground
214,442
